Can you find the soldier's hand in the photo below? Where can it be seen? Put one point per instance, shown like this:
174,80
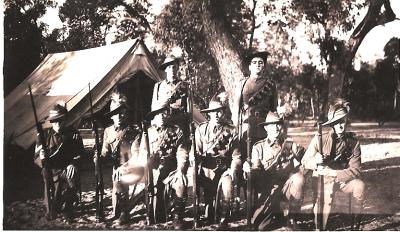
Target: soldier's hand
95,157
246,167
70,171
117,174
42,154
319,158
326,171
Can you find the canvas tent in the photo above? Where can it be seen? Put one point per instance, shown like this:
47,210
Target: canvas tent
66,76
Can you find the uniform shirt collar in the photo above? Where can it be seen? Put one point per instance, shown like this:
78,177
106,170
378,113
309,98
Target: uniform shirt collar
277,141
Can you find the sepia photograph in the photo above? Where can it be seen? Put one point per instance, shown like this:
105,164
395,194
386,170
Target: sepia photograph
230,115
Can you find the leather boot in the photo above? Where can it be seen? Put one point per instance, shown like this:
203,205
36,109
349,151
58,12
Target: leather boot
357,209
179,210
123,208
293,214
225,215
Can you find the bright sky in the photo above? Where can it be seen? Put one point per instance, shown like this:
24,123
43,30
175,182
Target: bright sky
370,50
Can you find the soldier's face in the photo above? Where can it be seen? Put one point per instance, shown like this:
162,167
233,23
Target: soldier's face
171,72
256,66
57,126
340,126
215,116
273,130
119,119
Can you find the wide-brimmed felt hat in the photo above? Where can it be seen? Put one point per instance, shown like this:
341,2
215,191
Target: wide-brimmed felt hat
171,59
57,113
272,118
336,113
262,54
155,112
117,105
214,105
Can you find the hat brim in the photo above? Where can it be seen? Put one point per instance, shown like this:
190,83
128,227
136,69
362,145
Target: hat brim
263,55
115,111
280,121
333,120
208,110
56,118
153,113
166,64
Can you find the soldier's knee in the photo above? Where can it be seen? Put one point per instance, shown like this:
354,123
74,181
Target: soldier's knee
358,189
226,187
298,179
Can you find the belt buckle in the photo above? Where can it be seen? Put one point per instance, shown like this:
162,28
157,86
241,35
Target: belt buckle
257,114
218,161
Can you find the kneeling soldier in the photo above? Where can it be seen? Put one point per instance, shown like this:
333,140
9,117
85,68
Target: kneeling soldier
121,141
65,150
277,171
339,162
169,161
219,156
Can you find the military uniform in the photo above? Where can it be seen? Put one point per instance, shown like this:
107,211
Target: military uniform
277,171
162,93
122,144
169,158
246,106
65,150
344,155
217,146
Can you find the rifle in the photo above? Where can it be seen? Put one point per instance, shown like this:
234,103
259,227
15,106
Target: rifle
149,188
97,166
47,173
250,195
320,185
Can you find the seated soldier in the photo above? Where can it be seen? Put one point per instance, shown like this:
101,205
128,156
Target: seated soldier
339,161
65,148
277,171
121,141
219,157
169,161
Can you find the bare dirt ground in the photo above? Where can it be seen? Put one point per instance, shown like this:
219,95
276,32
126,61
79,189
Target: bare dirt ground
381,169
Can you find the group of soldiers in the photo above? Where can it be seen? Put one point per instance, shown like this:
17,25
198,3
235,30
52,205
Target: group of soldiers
250,149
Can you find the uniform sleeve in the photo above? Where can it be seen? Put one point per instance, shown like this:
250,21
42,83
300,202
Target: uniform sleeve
135,146
199,144
79,148
38,147
256,156
354,169
308,159
106,147
155,99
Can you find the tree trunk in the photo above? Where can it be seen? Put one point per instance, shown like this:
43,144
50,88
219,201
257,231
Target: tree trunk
341,67
222,47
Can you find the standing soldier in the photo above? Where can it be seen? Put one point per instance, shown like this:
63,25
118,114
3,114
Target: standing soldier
169,161
339,162
255,96
121,141
277,173
219,156
65,149
171,93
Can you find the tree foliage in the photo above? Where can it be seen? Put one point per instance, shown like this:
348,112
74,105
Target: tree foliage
22,39
97,21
